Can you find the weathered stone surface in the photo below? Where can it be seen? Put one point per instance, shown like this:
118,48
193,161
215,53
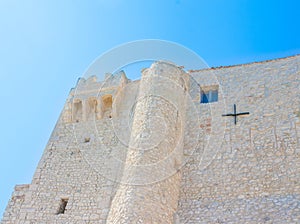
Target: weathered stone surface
148,152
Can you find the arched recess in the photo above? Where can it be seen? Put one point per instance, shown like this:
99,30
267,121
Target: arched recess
107,106
92,108
77,110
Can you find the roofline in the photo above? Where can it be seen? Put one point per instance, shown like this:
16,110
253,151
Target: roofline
246,64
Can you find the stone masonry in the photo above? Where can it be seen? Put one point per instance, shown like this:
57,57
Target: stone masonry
158,150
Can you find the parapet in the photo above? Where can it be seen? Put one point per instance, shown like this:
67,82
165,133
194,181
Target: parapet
92,99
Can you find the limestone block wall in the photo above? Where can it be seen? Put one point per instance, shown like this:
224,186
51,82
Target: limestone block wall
68,186
248,172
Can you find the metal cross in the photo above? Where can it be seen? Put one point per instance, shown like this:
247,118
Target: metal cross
235,114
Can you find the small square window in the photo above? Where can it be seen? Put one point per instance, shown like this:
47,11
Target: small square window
62,206
209,94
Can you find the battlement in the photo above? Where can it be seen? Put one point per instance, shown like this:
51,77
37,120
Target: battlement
92,99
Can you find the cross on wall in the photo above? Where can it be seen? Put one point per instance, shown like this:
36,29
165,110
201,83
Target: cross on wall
235,114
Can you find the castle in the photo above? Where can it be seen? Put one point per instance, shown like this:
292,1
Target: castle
219,145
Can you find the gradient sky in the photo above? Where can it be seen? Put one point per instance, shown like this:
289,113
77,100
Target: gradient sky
46,45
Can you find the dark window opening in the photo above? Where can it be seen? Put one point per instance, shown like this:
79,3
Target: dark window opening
62,206
209,96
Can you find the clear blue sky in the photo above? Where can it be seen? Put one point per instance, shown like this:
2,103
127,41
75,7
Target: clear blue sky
46,45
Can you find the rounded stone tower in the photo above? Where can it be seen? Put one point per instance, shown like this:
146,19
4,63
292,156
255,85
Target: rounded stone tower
151,176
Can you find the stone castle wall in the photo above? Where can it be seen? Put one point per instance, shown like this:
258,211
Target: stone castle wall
209,169
248,172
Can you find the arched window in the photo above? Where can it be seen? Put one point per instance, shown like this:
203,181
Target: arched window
107,105
77,110
92,108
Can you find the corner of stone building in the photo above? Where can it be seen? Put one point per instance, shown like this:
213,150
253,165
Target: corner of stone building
12,211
